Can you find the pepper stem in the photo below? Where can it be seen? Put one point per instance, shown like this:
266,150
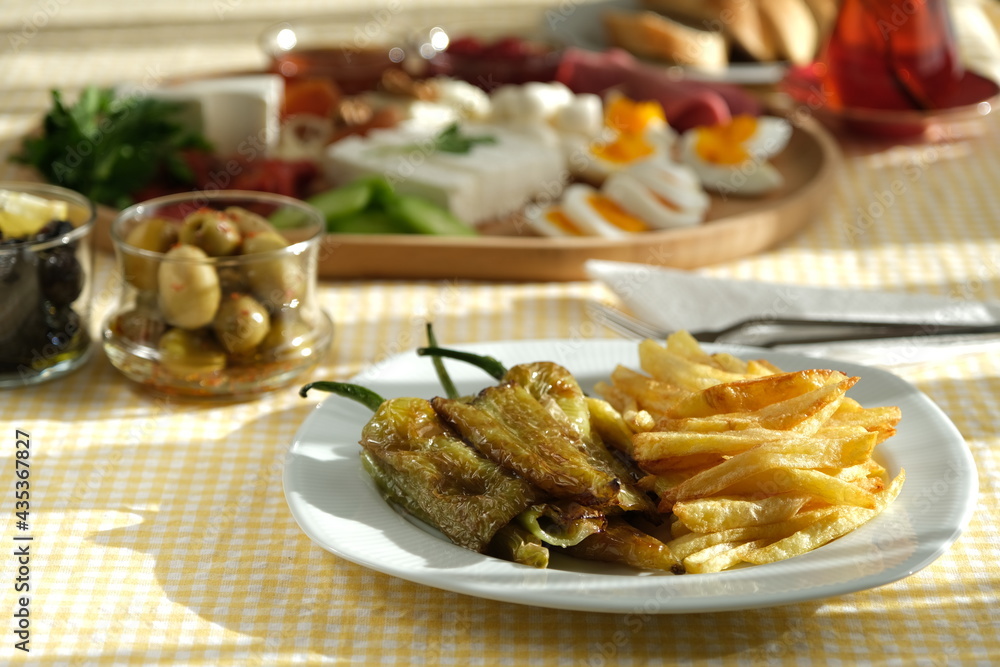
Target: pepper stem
356,392
446,383
491,365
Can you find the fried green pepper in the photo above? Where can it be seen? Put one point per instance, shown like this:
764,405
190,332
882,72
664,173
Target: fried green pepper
622,543
466,496
562,523
419,463
507,425
557,390
514,543
551,383
610,425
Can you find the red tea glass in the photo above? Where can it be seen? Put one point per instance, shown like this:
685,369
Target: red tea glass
892,55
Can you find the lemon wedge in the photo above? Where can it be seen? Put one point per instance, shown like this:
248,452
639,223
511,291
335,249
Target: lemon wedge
22,214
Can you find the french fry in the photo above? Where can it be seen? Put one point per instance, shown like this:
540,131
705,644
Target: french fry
660,485
684,373
840,522
656,445
871,484
682,344
875,469
731,363
805,413
849,474
747,395
881,420
762,367
639,421
841,447
679,528
796,480
753,464
720,556
785,456
648,393
616,397
708,515
685,545
693,463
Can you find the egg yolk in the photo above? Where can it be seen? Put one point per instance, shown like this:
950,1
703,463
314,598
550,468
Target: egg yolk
623,149
631,117
563,222
616,215
726,144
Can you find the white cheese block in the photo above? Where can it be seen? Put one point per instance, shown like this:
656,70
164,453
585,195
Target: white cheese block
239,115
490,181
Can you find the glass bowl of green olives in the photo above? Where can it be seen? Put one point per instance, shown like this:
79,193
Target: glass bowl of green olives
217,294
46,265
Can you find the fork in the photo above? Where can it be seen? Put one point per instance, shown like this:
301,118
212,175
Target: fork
771,331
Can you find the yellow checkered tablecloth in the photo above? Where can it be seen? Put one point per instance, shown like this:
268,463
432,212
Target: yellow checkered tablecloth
161,533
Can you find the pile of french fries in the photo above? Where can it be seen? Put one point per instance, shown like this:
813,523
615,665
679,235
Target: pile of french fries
752,464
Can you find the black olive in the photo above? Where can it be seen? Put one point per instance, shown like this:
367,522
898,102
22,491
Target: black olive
60,275
63,327
51,230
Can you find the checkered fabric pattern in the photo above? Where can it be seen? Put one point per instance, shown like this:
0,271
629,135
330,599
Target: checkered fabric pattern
162,536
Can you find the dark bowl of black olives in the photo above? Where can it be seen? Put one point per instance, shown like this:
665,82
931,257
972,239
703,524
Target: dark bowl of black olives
218,294
46,262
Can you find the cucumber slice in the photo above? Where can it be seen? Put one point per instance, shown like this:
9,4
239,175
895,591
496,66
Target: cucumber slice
422,217
367,222
344,201
382,191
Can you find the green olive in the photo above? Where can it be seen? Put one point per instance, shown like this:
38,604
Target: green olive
241,323
188,288
289,337
155,235
184,353
276,282
140,326
231,279
249,223
257,242
212,231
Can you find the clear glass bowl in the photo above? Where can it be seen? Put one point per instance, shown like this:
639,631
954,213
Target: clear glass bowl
353,50
487,49
45,292
217,294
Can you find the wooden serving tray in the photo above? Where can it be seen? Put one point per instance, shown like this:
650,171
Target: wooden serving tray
735,227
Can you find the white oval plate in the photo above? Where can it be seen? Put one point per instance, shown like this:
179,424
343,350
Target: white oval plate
583,27
338,507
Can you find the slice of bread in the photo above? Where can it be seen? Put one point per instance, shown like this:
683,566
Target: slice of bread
792,28
739,20
824,11
654,36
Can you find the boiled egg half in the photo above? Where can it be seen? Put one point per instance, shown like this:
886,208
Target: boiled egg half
585,211
732,158
633,131
665,194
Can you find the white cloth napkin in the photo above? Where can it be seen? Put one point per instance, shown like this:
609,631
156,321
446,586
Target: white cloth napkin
672,299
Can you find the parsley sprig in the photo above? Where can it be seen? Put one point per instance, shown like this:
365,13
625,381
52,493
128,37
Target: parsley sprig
449,140
108,147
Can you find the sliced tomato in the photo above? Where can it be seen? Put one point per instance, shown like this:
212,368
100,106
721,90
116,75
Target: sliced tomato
313,96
